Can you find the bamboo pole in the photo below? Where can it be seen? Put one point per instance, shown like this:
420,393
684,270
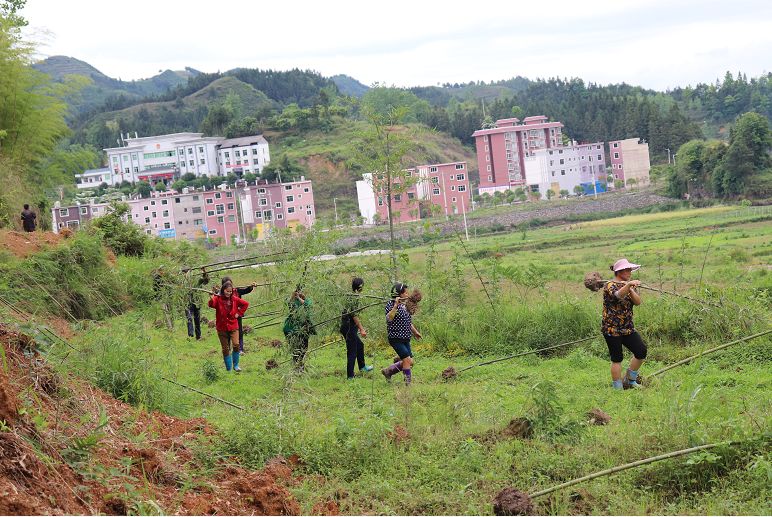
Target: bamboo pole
521,354
474,265
671,293
218,399
256,257
709,351
626,466
312,350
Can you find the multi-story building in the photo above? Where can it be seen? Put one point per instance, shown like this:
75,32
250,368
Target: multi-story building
243,155
565,168
432,189
93,178
165,158
220,214
630,160
502,150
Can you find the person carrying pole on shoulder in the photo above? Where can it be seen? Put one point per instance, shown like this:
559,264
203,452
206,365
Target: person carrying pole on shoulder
351,328
241,291
193,310
228,308
298,327
619,297
28,219
400,329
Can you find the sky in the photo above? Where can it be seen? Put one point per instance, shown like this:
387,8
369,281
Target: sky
656,44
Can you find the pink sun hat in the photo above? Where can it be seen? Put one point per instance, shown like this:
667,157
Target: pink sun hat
621,264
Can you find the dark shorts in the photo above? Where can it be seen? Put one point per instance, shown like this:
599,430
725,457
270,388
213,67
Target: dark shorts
633,342
402,347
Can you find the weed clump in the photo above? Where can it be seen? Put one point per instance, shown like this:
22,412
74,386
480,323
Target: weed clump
210,372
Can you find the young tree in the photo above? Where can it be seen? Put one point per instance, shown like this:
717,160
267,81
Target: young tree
578,190
381,149
550,194
564,193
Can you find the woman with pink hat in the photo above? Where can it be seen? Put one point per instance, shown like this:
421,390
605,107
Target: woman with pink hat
619,296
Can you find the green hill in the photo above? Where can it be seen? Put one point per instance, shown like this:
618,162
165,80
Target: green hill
328,158
184,114
103,87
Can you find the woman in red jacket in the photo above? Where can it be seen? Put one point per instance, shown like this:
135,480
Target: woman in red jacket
228,309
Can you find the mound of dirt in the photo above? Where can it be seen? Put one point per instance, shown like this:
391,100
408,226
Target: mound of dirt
593,281
270,364
598,417
119,460
449,373
518,427
511,501
23,244
326,508
398,435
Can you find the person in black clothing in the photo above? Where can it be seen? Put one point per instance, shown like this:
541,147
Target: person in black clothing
240,291
351,328
193,311
28,219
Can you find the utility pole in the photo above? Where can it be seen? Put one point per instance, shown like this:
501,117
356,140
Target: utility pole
668,155
335,204
463,211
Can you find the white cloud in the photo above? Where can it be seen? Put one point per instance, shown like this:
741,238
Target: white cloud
656,44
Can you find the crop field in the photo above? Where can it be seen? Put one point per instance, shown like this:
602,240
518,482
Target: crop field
450,445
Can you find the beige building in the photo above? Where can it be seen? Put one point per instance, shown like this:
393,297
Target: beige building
630,161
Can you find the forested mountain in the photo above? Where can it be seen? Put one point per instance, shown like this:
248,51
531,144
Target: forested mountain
103,87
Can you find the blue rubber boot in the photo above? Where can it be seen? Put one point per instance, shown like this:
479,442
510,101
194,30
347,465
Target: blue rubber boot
631,380
228,362
617,385
236,357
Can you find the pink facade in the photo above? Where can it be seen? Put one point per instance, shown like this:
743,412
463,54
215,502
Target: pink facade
501,151
616,159
435,189
221,216
298,200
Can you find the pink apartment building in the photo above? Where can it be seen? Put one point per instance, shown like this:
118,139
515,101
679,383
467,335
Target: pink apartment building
501,150
221,217
434,189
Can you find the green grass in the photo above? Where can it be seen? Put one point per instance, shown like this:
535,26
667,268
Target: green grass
342,430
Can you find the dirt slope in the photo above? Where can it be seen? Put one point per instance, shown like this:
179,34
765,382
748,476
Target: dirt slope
69,448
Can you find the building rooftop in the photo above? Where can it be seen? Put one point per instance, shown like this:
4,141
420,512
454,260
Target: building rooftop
244,140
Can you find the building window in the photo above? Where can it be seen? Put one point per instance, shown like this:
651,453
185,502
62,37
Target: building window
462,188
305,189
278,204
435,180
254,150
290,199
435,192
198,222
227,154
562,172
220,209
308,212
258,215
490,178
600,157
255,162
263,202
487,157
453,188
190,150
231,218
267,215
616,156
153,215
287,187
279,216
196,210
167,226
459,166
261,191
489,169
147,220
200,149
84,210
210,213
218,195
203,161
380,201
461,177
64,212
166,213
231,206
238,153
182,163
616,144
212,232
220,219
410,195
397,197
290,209
432,169
229,194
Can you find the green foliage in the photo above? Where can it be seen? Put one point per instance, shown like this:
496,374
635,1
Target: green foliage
381,101
121,236
288,169
546,413
210,371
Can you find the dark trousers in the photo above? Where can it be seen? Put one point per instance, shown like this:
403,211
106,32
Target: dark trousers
241,335
193,314
355,351
298,342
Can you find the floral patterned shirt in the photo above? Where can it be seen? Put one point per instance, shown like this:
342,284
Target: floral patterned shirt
617,312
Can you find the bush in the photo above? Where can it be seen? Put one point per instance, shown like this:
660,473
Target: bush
122,237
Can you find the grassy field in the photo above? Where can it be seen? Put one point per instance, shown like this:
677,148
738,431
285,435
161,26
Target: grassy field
437,447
